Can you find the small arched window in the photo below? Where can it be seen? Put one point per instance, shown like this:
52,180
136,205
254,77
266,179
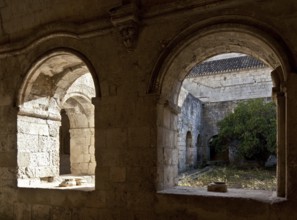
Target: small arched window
56,130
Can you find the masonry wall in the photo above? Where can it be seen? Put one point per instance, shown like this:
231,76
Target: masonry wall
38,149
126,119
219,94
235,85
189,120
212,114
82,151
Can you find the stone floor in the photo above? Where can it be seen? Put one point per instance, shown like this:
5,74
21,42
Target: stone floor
87,182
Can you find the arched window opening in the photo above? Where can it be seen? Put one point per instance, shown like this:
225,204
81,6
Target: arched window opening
56,125
212,91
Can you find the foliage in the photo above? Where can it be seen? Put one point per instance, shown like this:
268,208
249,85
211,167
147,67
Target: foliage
261,179
250,129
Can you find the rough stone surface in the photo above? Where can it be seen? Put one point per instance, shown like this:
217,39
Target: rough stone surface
35,159
217,93
189,125
135,106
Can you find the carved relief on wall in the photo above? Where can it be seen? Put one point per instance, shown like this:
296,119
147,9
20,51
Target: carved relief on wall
125,18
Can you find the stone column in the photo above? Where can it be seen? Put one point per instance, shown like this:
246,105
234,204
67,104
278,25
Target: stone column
167,143
281,145
82,151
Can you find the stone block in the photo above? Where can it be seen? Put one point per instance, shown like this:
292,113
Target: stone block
75,168
23,159
46,171
92,168
6,209
41,212
86,158
89,214
77,142
84,167
59,213
27,142
8,142
141,157
92,149
54,158
167,118
170,156
46,143
8,159
140,199
161,136
93,158
118,174
22,211
8,173
5,183
26,172
44,159
169,138
76,157
53,130
139,137
116,138
43,129
85,149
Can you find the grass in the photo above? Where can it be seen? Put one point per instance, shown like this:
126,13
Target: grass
256,178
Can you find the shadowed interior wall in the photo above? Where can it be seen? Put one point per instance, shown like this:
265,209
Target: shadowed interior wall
138,68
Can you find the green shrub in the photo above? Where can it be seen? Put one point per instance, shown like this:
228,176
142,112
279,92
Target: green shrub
250,129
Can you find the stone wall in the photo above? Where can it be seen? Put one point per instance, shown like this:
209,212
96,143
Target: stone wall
82,151
212,114
38,149
80,112
39,122
189,120
229,86
135,127
219,94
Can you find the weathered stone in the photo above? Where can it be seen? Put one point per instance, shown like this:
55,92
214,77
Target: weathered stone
41,212
61,213
73,38
118,174
22,211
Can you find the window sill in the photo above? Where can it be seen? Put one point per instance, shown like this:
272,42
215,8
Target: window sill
258,195
88,184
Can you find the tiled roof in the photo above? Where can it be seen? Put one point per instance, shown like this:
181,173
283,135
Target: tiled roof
226,65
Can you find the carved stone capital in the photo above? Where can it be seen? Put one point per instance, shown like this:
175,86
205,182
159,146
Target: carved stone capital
126,19
170,105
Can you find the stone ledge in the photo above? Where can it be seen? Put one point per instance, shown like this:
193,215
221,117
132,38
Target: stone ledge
89,183
258,195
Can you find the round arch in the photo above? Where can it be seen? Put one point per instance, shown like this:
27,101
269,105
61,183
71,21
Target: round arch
83,65
57,73
192,47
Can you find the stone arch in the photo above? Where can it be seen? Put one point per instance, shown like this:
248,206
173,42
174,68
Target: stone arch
59,80
194,48
32,74
223,38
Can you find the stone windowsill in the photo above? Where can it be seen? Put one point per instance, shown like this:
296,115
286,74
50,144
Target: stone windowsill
88,185
259,195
